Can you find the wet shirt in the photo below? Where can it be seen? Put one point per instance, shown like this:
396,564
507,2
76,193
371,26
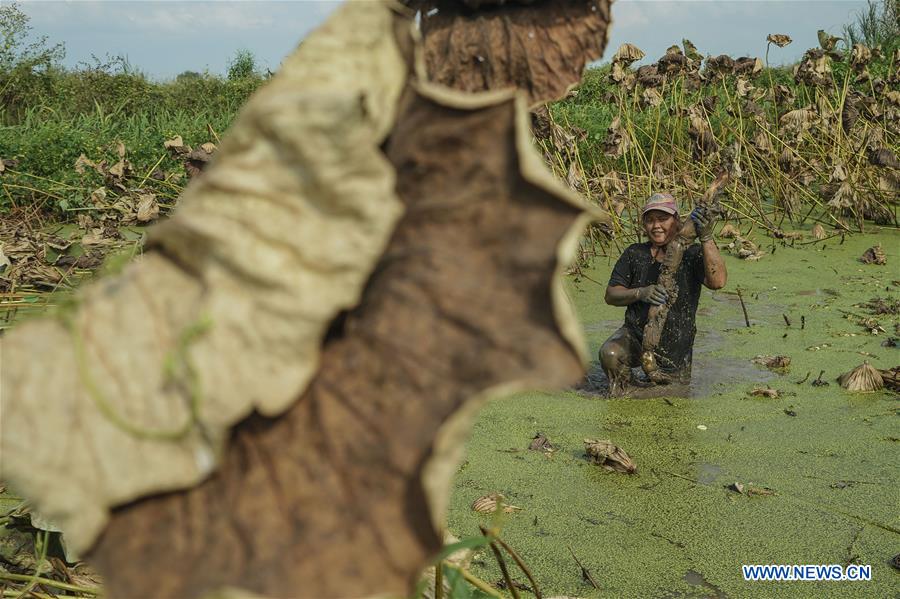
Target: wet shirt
637,268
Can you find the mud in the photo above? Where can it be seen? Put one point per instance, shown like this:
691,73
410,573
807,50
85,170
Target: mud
674,529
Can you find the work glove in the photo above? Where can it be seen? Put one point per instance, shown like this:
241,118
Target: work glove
655,295
704,221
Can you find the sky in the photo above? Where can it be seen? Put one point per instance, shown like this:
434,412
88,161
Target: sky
165,37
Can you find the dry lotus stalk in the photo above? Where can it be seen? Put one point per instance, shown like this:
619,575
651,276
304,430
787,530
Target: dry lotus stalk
862,378
490,503
609,456
818,231
358,470
226,311
539,47
874,255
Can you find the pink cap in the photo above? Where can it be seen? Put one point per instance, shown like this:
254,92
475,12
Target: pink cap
661,201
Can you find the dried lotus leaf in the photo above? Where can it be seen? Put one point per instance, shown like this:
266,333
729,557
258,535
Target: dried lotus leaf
540,442
729,231
827,41
226,311
874,255
356,471
490,503
863,378
883,157
690,50
651,97
765,392
818,231
628,53
779,39
541,48
774,362
611,457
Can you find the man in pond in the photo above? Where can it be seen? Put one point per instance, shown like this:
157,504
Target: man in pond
633,283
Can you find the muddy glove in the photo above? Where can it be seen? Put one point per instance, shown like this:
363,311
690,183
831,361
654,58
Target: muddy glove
704,221
655,295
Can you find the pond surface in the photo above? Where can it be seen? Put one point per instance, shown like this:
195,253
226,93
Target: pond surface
675,529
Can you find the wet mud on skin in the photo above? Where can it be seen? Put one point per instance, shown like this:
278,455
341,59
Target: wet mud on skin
675,529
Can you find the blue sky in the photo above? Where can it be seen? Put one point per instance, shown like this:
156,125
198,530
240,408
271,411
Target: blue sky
165,37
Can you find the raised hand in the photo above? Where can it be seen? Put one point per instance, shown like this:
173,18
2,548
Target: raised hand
704,221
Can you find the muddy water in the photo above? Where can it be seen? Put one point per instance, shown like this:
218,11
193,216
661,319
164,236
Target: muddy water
675,529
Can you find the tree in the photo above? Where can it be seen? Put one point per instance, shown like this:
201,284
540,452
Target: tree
16,53
242,65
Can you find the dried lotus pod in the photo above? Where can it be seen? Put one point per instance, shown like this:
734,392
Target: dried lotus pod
490,503
862,378
874,255
818,231
774,362
729,232
609,456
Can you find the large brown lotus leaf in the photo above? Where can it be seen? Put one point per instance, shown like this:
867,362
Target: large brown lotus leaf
133,390
342,496
628,53
540,47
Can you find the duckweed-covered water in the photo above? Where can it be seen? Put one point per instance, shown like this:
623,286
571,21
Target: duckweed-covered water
674,529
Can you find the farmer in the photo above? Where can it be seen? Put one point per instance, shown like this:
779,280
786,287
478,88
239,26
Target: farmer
633,283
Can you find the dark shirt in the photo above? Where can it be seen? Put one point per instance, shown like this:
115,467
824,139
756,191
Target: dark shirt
637,268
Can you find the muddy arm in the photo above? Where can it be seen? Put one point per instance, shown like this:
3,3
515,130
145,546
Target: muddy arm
715,273
617,295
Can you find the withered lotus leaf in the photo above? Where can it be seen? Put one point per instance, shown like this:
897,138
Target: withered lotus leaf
883,157
862,378
628,53
779,39
540,47
353,478
611,457
874,255
818,231
826,40
132,390
491,502
690,50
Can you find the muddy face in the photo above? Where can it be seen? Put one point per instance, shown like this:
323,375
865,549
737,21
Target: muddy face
661,227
